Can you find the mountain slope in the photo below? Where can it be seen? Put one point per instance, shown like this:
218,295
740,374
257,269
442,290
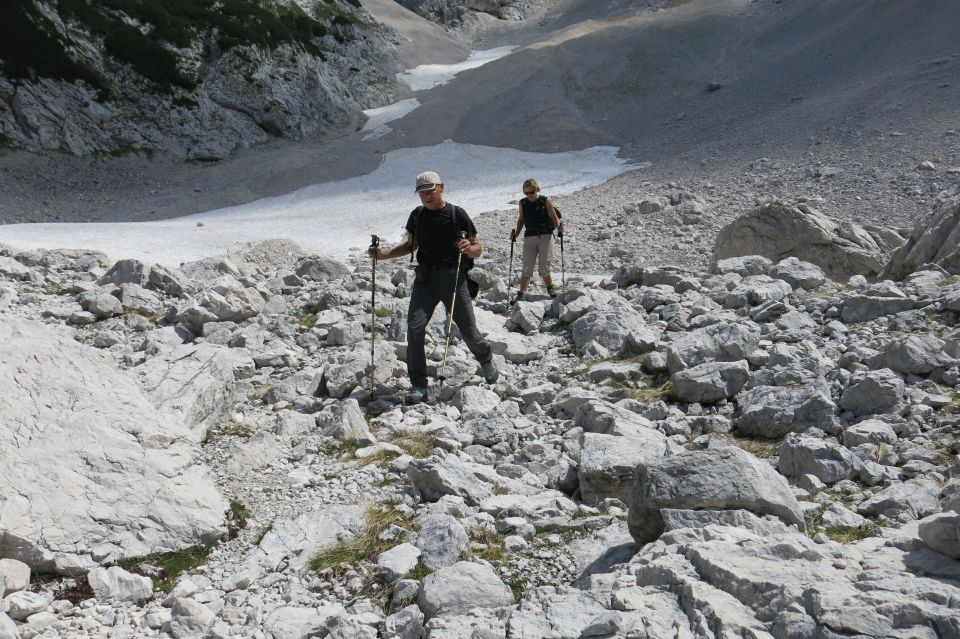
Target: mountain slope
188,78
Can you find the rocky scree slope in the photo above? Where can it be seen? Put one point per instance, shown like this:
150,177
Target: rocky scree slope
191,79
757,450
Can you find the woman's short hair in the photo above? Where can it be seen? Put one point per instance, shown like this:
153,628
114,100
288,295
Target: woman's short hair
531,183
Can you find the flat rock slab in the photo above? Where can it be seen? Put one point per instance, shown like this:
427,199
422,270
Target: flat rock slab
92,472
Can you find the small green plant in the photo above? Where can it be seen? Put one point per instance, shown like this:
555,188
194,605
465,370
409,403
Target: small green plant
304,320
53,288
758,448
263,533
947,281
381,312
417,443
420,572
518,587
237,430
849,535
164,568
489,543
879,452
651,394
365,546
260,391
237,516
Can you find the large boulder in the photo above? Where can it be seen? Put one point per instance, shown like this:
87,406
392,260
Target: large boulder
770,412
442,540
710,382
941,532
460,587
296,541
93,471
608,464
916,354
720,342
725,478
320,268
873,392
777,230
197,382
827,461
935,239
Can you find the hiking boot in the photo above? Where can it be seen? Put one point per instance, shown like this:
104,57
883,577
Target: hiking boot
553,291
519,298
490,372
417,395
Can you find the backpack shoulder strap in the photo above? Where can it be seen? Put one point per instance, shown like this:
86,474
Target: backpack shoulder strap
460,220
414,243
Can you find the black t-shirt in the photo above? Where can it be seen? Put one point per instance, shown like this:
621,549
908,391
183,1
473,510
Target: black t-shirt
536,218
436,233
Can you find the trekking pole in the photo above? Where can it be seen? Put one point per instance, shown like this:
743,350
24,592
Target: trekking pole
513,239
453,300
563,268
374,244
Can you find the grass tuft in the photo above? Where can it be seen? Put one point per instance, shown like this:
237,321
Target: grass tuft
164,568
417,443
758,448
366,546
419,573
237,516
849,535
489,544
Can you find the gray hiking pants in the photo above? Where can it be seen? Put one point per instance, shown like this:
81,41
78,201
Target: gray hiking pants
423,300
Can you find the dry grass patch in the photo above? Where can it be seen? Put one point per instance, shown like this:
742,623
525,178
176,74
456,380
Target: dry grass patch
367,545
850,535
488,544
417,443
652,393
759,448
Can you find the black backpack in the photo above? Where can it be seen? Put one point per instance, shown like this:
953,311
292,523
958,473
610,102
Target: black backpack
460,223
543,199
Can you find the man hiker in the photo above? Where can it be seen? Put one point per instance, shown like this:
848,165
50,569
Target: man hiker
539,217
443,236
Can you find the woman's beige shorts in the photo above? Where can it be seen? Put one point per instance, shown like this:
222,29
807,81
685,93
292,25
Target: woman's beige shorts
534,247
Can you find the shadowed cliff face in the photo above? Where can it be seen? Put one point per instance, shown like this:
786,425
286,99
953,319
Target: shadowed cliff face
185,78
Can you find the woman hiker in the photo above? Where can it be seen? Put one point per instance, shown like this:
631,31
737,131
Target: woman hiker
539,218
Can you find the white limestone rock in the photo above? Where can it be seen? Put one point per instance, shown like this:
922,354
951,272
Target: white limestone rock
298,540
873,392
941,532
608,464
398,561
345,421
117,584
8,629
916,354
460,587
190,619
14,576
714,479
721,342
777,230
24,603
771,412
827,461
710,382
95,472
442,541
197,382
935,239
